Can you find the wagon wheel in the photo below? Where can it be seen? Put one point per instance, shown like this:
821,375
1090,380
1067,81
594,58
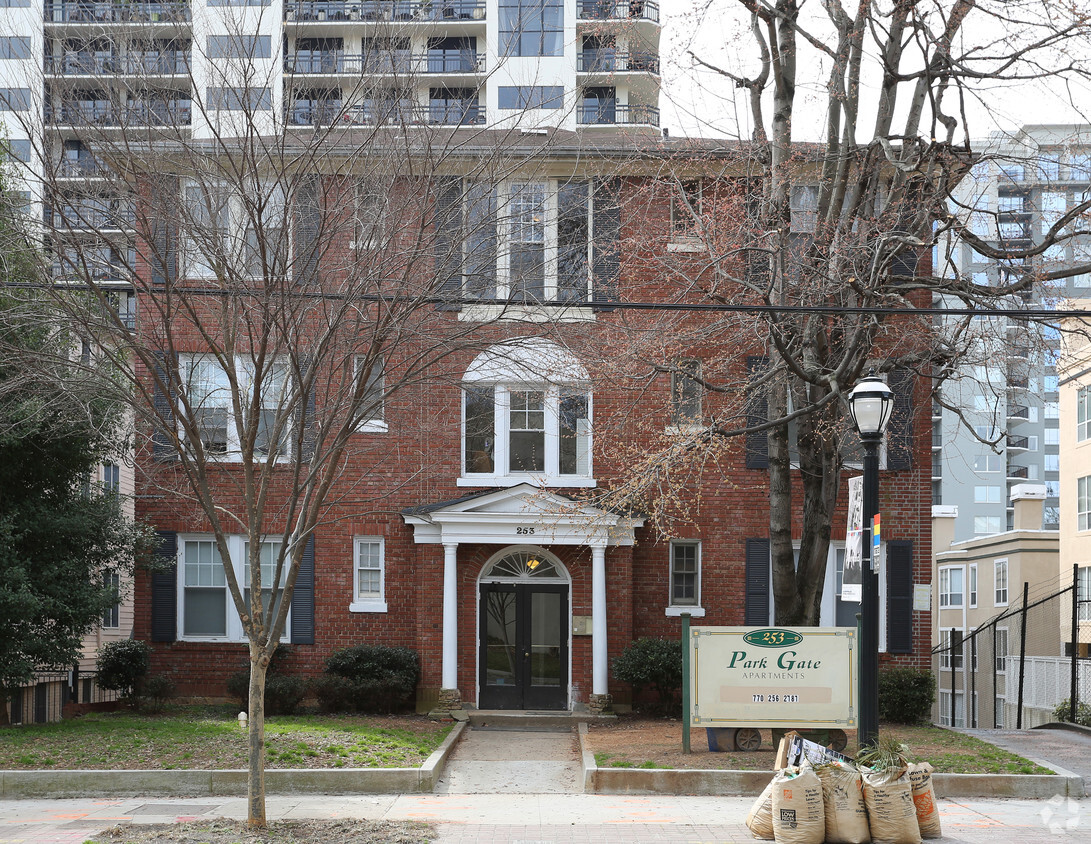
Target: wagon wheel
838,740
748,739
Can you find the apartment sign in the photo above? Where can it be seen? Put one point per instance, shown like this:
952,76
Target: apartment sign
773,676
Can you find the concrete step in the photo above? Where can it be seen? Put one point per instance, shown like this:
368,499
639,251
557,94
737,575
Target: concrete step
532,719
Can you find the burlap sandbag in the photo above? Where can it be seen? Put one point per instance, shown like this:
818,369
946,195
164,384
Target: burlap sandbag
843,804
760,819
798,816
889,798
924,799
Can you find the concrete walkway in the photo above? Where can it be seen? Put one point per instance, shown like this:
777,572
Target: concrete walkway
514,760
541,818
1053,748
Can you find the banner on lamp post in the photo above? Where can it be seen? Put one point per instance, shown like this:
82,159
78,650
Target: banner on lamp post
852,576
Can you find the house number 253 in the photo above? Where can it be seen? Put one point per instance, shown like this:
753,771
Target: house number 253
524,531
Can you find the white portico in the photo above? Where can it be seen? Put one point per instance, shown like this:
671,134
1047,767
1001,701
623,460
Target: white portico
522,517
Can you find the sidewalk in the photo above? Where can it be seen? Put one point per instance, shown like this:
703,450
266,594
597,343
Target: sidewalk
511,818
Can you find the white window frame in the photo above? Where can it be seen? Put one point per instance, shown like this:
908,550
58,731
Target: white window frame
371,211
111,616
1000,582
686,374
551,476
372,601
946,593
1083,593
1083,503
1000,656
244,376
236,546
377,423
1083,414
233,226
971,587
694,608
685,227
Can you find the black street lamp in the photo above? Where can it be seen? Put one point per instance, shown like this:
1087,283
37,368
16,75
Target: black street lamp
870,403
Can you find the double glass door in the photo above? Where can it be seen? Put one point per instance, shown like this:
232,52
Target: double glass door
524,646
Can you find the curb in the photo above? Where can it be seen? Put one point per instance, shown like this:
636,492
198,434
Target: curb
25,785
598,780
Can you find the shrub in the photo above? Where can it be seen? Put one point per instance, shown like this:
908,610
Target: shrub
656,664
377,678
1063,712
155,691
906,694
283,692
122,666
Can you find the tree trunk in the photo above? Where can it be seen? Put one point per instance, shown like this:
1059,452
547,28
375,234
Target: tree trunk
820,475
785,597
255,781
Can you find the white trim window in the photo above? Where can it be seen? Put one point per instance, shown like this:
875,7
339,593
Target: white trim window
687,393
206,612
371,215
686,210
526,417
952,648
1083,503
1001,656
973,584
369,574
111,616
951,587
208,392
1083,593
685,573
222,229
373,404
1000,583
1083,414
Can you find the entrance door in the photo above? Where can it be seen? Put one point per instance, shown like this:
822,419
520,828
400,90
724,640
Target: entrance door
524,646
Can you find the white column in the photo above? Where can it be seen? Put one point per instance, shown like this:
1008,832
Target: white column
450,616
599,666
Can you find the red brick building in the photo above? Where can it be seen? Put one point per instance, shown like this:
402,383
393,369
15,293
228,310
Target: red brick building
463,522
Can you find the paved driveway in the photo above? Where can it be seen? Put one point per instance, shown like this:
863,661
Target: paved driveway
1067,749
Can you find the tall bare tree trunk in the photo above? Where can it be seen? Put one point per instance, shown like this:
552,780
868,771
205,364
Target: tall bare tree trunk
255,780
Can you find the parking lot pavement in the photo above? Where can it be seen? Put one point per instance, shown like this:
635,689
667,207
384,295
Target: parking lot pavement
1055,748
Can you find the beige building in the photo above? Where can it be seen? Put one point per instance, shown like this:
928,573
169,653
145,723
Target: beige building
1074,384
977,593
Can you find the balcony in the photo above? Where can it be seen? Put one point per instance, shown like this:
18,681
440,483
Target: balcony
616,114
601,10
1017,443
937,440
108,115
94,216
1018,412
1018,383
83,167
330,112
316,62
610,61
384,10
97,64
84,11
1019,352
1018,473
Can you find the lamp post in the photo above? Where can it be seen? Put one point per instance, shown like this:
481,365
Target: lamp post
870,403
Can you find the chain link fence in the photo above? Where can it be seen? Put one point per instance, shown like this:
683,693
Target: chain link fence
1015,670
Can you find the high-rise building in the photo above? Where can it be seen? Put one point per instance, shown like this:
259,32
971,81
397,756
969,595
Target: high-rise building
996,425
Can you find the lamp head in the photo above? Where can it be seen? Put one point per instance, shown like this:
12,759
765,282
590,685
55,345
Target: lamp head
871,402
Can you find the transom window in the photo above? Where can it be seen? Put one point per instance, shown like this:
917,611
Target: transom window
524,565
517,430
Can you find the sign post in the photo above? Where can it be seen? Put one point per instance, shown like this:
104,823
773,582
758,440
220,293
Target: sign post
686,700
772,677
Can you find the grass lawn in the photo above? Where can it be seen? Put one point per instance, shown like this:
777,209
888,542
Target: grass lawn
210,738
656,743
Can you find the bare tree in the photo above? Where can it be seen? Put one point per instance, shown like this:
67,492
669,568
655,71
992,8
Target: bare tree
818,251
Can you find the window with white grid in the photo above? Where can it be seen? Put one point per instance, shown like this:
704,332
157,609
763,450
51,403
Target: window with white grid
370,575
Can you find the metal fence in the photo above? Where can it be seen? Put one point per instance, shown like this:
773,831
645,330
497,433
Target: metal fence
1016,669
44,699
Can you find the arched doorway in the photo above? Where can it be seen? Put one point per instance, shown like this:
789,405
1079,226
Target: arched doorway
523,631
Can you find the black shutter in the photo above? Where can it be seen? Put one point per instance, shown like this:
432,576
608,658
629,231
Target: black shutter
757,412
573,235
307,220
164,604
606,237
303,598
448,242
899,436
757,582
305,414
899,596
163,230
163,449
479,220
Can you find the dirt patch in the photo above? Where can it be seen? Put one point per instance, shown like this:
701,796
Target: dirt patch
278,832
635,741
